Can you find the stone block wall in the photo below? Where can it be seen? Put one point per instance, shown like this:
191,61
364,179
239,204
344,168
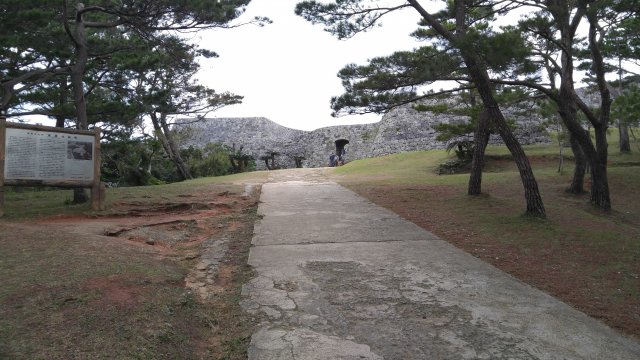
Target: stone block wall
402,129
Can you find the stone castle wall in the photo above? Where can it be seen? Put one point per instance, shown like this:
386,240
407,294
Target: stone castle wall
401,130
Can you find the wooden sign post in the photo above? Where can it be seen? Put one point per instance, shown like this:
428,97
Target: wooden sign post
34,155
3,126
97,189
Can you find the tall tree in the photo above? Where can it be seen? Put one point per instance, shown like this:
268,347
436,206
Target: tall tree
166,89
105,81
622,44
43,38
30,48
146,18
626,108
557,22
552,30
596,14
34,60
453,27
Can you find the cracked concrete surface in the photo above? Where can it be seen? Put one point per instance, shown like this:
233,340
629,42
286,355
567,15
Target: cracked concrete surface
341,278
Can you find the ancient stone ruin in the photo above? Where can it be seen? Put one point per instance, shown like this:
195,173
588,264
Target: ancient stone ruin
402,129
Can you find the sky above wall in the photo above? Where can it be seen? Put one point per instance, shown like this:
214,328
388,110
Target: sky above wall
287,70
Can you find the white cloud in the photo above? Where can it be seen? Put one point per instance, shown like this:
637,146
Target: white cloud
287,70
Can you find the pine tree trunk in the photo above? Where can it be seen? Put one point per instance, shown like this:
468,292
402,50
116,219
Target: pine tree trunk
600,196
62,100
481,138
595,156
177,160
577,183
480,78
625,144
78,69
623,128
77,82
568,112
535,206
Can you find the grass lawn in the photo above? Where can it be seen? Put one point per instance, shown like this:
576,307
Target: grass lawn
586,258
70,292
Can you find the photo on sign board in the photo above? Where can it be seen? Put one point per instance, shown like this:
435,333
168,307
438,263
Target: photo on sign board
79,150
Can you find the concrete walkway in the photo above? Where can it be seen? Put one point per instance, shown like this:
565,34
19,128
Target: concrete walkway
341,278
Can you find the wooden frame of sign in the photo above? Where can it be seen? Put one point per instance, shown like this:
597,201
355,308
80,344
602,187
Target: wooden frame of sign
34,155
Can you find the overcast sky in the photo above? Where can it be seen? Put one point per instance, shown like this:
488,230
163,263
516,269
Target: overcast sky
286,71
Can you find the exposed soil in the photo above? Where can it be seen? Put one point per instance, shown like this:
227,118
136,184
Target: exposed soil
207,235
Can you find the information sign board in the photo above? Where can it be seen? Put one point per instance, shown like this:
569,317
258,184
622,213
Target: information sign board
44,155
34,155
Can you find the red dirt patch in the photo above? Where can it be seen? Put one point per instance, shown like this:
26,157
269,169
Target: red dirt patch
117,289
129,298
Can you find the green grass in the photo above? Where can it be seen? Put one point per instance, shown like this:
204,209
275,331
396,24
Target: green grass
552,150
48,307
403,168
34,203
38,202
419,167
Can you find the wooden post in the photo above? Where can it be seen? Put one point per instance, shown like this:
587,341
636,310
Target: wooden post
3,134
97,196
